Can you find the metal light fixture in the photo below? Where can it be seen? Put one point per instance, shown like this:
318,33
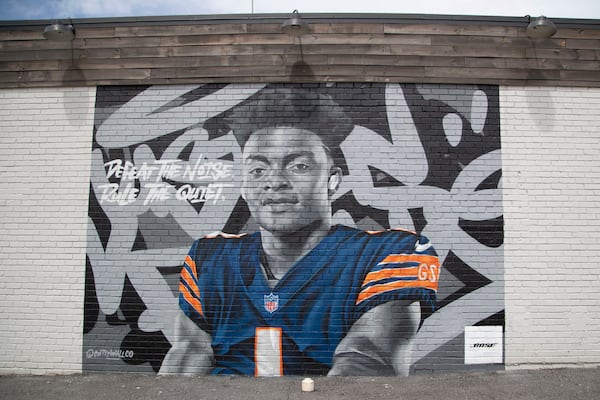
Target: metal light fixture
541,28
59,32
294,25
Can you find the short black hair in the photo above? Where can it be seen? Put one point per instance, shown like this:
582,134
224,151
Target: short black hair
291,107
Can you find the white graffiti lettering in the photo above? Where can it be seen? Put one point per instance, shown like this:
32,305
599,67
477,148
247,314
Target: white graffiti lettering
157,192
127,170
117,168
109,353
169,169
160,172
113,193
208,170
202,194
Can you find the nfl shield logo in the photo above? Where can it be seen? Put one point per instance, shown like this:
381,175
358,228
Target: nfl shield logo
271,302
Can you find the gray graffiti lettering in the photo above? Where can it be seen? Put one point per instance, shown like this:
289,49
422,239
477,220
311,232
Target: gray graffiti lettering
163,187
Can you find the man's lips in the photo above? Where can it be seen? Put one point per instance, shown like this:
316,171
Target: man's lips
279,201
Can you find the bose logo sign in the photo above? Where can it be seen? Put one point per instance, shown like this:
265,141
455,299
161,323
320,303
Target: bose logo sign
484,344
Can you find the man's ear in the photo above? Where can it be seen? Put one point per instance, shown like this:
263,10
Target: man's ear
335,178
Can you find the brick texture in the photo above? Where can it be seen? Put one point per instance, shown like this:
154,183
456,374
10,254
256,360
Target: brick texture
551,176
544,272
44,178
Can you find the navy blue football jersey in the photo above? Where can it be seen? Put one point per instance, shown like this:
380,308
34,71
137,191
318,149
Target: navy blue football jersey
306,315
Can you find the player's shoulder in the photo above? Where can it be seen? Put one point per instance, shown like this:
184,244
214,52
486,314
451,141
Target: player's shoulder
347,231
395,238
224,235
219,252
392,232
221,240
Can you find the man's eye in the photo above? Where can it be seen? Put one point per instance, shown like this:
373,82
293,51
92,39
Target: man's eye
257,172
299,168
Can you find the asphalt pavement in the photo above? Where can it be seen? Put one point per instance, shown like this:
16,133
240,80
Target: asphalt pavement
547,384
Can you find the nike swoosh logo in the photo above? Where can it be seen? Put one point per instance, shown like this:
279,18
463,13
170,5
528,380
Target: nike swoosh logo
419,248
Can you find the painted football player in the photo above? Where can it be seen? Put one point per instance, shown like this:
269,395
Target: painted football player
299,296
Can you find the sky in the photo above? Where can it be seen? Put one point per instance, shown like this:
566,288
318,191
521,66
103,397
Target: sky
64,9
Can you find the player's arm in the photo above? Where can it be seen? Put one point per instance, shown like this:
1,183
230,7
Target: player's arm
191,353
380,341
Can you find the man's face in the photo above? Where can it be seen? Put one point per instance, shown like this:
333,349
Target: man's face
285,178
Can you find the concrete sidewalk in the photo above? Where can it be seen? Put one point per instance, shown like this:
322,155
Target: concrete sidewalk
549,384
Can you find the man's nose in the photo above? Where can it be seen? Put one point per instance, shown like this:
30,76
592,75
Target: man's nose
277,180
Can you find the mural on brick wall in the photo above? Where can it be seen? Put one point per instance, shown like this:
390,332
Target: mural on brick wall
342,229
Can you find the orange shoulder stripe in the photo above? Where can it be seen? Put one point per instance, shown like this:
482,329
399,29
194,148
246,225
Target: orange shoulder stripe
185,275
416,258
391,273
191,264
194,302
388,287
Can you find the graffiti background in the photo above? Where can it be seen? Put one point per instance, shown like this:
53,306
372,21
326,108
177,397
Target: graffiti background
164,172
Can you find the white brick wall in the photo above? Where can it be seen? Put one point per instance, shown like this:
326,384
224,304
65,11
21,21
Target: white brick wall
551,177
45,141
